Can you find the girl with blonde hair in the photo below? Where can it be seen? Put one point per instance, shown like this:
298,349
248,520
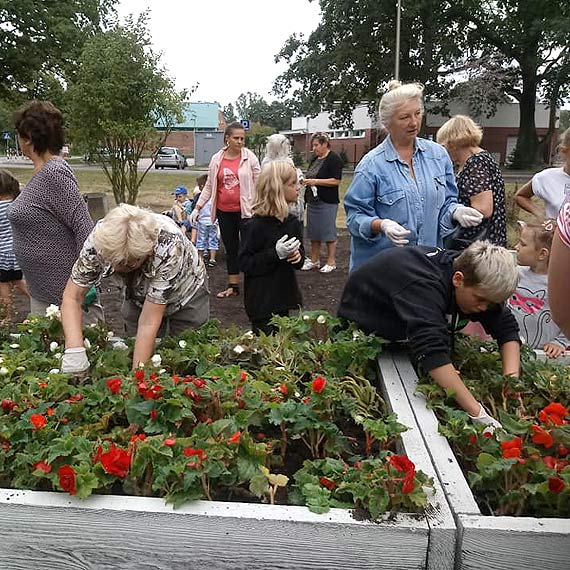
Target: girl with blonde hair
272,248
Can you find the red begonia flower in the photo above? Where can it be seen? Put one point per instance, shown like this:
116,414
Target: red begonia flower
50,412
330,485
242,376
283,389
409,484
42,384
38,420
542,437
153,414
114,385
8,405
319,384
402,463
199,382
513,453
137,437
515,443
473,439
43,466
139,375
557,409
116,461
169,442
66,476
235,437
556,485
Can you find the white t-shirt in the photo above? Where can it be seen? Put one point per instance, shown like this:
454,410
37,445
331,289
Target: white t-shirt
552,185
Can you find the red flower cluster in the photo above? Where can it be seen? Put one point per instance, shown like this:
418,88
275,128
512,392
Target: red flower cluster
319,384
512,449
556,485
114,385
43,466
199,454
149,393
554,414
283,389
403,463
542,437
66,476
115,461
8,405
38,420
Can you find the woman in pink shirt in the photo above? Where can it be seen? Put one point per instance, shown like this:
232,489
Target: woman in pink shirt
558,271
232,175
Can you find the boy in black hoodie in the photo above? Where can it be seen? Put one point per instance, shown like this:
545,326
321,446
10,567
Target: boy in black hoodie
420,294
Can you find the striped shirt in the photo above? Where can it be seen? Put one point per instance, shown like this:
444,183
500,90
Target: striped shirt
7,258
564,223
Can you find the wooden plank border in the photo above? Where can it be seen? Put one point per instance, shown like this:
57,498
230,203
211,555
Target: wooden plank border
443,530
485,542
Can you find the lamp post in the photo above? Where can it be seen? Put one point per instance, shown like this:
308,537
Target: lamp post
397,54
307,140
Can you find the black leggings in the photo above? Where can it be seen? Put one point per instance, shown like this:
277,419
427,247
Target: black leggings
230,224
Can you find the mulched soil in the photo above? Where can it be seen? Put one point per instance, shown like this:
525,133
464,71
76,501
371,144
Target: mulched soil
320,291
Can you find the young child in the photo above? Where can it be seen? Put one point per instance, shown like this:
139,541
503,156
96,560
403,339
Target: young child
10,273
207,231
272,248
178,212
200,183
529,303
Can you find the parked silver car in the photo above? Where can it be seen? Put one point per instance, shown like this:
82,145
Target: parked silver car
171,157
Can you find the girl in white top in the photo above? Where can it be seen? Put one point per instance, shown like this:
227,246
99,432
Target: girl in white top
552,185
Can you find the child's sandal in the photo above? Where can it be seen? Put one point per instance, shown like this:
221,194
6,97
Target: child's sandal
231,291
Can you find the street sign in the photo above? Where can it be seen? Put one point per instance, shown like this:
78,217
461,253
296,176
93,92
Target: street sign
245,124
6,136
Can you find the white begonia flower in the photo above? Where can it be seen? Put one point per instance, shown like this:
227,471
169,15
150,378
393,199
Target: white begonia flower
238,349
355,335
280,368
182,343
156,360
3,371
297,394
1,360
86,343
321,319
15,335
120,346
110,335
306,317
162,371
54,371
58,355
53,346
52,312
249,335
14,345
20,368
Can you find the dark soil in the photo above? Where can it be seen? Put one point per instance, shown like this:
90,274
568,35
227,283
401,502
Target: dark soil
320,291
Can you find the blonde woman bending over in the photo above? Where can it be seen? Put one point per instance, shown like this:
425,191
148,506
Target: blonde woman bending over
165,281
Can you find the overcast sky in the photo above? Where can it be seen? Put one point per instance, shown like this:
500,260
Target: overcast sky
228,46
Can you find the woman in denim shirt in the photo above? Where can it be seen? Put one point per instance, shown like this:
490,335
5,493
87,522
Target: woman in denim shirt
403,191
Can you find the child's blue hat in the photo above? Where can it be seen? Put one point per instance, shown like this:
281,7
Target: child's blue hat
180,190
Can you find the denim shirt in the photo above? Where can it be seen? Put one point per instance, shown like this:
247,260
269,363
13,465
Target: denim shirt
382,187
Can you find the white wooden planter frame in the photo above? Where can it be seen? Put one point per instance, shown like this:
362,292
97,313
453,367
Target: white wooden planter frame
54,531
485,542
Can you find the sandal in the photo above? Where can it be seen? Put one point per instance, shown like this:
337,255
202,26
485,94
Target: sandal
231,291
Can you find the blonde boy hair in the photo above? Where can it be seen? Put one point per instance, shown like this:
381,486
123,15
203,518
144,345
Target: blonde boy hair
397,94
565,138
270,189
460,132
126,236
490,268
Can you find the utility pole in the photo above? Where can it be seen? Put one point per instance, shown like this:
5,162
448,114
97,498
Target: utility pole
397,54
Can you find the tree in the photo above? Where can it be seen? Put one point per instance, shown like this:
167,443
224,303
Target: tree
256,138
120,94
349,58
276,114
229,113
531,40
41,39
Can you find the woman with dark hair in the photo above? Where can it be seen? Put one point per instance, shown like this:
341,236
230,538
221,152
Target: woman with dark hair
232,175
49,219
322,180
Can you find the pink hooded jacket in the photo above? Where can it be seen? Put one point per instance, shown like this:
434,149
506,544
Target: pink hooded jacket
248,173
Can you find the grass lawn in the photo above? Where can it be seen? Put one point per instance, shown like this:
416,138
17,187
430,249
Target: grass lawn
155,192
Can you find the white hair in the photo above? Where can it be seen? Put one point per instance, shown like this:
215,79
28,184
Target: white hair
277,148
396,95
489,267
126,235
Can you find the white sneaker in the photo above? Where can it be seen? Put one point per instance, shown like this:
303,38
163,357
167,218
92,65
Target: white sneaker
327,268
308,265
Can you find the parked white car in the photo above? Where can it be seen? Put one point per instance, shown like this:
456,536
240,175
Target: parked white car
171,157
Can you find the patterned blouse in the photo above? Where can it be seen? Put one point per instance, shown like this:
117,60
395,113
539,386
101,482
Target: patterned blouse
564,223
481,173
171,276
7,258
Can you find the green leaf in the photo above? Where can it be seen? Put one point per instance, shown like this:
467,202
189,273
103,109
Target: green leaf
511,425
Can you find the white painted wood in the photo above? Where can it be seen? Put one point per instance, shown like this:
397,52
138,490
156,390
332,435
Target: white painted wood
563,359
450,474
504,543
486,542
441,552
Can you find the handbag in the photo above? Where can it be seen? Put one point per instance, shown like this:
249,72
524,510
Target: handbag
457,240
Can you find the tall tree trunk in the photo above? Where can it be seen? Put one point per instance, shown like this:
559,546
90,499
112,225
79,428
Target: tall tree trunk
527,141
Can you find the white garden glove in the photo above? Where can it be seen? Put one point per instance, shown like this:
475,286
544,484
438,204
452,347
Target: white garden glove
74,361
467,217
485,419
395,232
193,218
285,246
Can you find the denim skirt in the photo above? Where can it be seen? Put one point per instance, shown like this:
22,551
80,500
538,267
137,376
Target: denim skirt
321,221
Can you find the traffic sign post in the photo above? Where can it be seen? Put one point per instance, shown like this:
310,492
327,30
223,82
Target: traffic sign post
245,124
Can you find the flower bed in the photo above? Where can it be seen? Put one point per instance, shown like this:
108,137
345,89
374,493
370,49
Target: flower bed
222,415
519,472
